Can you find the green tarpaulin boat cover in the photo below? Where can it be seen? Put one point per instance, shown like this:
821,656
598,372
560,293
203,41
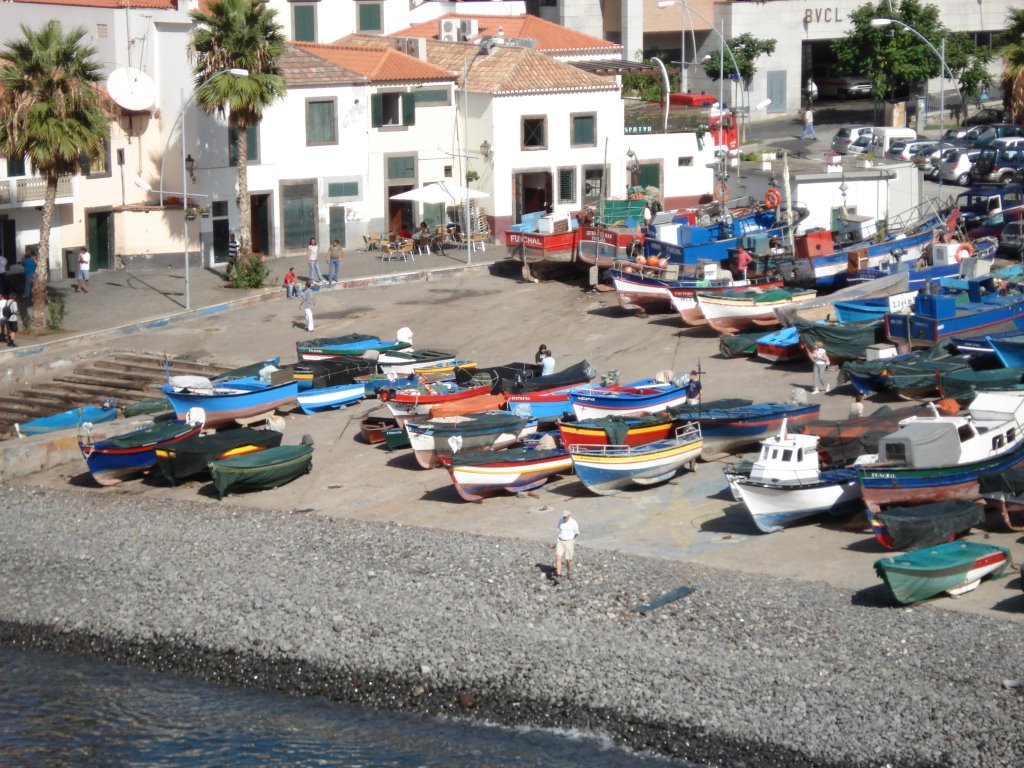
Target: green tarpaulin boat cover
616,427
926,525
146,407
841,340
507,456
739,344
155,433
915,371
263,469
965,384
192,455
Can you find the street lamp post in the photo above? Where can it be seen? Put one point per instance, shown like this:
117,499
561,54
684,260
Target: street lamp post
184,168
943,69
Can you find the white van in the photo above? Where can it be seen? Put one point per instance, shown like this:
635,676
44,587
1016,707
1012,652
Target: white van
884,138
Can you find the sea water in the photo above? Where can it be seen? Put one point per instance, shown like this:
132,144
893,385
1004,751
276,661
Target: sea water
58,710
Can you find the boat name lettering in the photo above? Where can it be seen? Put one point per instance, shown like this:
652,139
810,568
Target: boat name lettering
819,15
639,129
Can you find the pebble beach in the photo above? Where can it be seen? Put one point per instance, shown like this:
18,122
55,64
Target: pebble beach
747,670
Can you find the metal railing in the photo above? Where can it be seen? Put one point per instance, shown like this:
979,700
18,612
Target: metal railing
32,189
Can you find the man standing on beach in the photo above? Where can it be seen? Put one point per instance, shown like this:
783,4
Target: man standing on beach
568,530
307,305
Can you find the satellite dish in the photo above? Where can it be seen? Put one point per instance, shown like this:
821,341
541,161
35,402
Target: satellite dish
132,89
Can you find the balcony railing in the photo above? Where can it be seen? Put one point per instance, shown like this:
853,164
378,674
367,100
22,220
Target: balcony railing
31,190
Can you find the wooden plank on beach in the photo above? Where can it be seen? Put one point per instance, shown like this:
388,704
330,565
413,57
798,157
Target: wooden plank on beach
668,597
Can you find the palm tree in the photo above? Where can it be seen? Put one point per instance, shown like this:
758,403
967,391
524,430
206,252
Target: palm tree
1012,52
50,111
238,34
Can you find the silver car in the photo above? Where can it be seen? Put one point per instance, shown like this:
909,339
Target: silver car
1011,239
847,135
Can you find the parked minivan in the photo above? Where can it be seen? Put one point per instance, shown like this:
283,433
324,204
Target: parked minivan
847,135
997,164
885,137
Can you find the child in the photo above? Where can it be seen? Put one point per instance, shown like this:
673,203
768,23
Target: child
291,283
693,389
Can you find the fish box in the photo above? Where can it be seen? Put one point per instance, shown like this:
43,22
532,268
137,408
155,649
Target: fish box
556,222
880,351
935,306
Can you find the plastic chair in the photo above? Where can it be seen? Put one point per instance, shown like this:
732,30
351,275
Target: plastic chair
479,240
387,253
405,252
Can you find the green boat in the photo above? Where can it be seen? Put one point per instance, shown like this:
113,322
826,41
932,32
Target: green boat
190,457
262,470
955,567
147,407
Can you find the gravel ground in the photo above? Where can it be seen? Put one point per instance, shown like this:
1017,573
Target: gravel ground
745,671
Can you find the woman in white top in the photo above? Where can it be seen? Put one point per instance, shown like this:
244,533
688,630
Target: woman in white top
313,254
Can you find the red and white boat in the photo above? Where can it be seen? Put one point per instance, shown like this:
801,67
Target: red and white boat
653,285
415,403
737,312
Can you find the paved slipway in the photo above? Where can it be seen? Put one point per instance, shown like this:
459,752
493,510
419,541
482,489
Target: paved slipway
369,582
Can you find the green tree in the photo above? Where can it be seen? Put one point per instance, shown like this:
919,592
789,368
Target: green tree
50,112
238,34
1012,50
746,50
893,57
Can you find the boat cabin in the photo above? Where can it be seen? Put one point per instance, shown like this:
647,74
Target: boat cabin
787,459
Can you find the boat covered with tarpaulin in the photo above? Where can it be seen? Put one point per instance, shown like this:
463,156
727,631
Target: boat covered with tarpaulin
192,456
913,375
631,430
113,459
262,470
924,525
739,344
842,441
730,428
954,567
966,383
1004,493
842,341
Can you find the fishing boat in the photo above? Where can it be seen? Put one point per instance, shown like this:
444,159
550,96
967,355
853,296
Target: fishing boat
113,459
609,469
644,396
735,312
924,525
468,405
912,376
966,383
937,317
543,240
939,261
822,308
516,378
233,400
842,341
781,346
739,344
873,308
513,470
631,430
487,431
842,441
613,234
444,370
734,428
414,403
350,345
331,373
501,377
544,404
319,399
73,417
954,568
262,470
818,263
940,457
190,457
1008,350
1003,492
402,363
652,286
786,484
372,428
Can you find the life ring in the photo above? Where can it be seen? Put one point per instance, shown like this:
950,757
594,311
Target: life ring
965,249
772,198
722,192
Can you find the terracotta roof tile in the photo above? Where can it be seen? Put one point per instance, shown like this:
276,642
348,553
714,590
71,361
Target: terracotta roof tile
551,38
301,68
380,63
169,5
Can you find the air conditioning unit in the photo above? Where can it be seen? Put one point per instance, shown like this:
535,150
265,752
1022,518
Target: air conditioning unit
469,28
412,46
448,31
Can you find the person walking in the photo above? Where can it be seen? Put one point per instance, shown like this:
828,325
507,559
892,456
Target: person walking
9,319
232,255
29,265
84,260
808,132
307,304
819,357
291,283
313,255
568,531
334,256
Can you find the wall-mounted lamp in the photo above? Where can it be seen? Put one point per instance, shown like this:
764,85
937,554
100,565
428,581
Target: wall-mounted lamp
485,149
190,166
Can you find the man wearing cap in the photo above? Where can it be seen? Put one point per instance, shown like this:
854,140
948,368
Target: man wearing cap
568,530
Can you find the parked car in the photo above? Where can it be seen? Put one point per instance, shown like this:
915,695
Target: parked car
845,86
905,150
1011,239
953,135
956,163
992,226
864,144
927,160
987,115
997,164
847,135
983,135
986,200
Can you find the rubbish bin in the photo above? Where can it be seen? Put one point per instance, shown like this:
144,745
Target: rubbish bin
71,262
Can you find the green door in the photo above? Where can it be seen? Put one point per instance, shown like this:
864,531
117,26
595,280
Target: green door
299,203
338,225
259,207
99,232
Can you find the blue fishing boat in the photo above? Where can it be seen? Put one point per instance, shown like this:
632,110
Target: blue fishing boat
825,268
939,316
981,346
318,399
608,469
874,308
113,459
544,405
74,417
940,261
1009,350
781,346
350,345
228,401
955,567
644,396
727,430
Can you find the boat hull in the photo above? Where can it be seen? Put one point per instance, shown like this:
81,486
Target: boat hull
735,429
75,417
111,461
328,398
513,471
438,438
263,470
593,433
955,567
642,397
773,507
607,470
232,400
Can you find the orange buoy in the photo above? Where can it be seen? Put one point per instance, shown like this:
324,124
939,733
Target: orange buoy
772,198
965,249
652,261
629,269
662,262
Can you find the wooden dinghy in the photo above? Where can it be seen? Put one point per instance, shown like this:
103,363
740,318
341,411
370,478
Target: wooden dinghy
954,568
113,459
609,469
514,470
264,469
372,428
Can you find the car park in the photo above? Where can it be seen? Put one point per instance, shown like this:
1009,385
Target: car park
997,164
1011,239
987,115
847,135
905,150
956,163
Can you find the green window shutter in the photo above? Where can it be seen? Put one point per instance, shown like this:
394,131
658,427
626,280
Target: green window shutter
304,23
376,110
343,189
583,129
408,109
650,175
370,17
16,166
253,148
320,128
403,167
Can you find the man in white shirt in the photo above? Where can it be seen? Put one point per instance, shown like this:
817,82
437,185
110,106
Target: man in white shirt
568,530
547,365
84,258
